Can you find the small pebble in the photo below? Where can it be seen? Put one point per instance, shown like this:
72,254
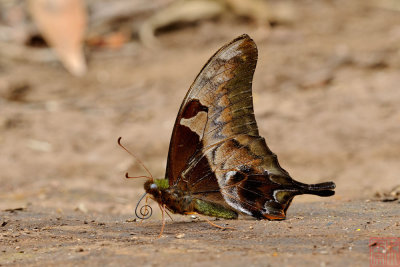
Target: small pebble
179,236
81,207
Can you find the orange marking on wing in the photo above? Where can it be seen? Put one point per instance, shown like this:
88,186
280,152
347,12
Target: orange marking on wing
275,216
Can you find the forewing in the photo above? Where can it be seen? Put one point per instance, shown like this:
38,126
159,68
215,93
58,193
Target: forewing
218,105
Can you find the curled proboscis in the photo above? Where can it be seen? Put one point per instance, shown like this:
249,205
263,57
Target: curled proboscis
145,211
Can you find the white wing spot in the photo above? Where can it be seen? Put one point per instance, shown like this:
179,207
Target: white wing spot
231,195
232,199
229,175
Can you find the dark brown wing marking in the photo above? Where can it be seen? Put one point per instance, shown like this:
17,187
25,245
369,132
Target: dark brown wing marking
185,141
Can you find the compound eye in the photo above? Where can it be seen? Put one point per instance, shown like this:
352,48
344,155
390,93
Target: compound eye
153,186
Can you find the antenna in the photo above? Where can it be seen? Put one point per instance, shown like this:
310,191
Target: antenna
138,160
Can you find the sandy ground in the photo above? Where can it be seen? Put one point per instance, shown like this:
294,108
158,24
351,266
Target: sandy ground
316,234
326,94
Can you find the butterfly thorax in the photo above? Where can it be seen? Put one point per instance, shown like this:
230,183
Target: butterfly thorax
175,199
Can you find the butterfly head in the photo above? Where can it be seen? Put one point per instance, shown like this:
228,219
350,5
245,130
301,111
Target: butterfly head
156,186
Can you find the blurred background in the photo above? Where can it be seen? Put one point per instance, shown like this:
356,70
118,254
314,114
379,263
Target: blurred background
75,75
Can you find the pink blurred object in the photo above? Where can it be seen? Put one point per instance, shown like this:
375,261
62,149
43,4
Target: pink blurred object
63,24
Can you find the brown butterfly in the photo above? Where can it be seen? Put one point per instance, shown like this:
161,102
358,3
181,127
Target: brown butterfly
218,164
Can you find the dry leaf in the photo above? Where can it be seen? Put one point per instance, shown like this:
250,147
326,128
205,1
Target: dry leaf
62,24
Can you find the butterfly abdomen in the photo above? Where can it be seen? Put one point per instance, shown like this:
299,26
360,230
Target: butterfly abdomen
213,210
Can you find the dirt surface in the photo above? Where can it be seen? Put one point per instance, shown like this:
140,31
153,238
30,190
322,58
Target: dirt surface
317,234
326,93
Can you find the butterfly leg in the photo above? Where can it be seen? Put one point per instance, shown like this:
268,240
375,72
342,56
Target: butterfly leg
216,225
163,220
166,211
208,221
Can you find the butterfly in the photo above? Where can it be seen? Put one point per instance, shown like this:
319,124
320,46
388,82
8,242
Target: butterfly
218,164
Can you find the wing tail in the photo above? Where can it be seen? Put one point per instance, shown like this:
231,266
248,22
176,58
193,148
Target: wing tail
321,189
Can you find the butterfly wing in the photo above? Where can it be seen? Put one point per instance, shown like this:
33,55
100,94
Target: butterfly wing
216,152
187,165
